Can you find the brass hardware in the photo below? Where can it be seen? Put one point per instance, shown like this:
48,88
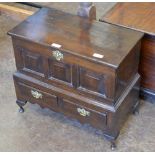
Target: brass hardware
58,55
83,112
36,94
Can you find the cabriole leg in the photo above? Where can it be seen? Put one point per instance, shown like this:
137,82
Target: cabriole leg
135,110
112,140
21,103
113,145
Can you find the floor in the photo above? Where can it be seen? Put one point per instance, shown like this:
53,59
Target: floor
43,130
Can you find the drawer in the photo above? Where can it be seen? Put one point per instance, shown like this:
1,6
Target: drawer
83,114
35,95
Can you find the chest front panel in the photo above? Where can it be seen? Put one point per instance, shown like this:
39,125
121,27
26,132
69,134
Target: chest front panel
87,80
92,81
60,71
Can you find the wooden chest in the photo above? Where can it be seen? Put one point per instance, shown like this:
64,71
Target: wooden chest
83,68
140,17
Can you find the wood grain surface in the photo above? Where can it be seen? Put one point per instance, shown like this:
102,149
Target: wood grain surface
138,16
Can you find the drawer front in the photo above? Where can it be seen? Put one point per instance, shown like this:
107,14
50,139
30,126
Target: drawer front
31,90
35,95
83,114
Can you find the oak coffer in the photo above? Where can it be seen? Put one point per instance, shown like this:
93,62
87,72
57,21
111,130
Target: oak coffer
83,68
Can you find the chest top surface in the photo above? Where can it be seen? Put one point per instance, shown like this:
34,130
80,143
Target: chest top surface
138,16
90,39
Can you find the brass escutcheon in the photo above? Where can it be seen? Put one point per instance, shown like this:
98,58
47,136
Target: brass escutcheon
83,112
36,94
58,55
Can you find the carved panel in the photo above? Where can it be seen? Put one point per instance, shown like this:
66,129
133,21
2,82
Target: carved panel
30,62
92,81
60,71
33,61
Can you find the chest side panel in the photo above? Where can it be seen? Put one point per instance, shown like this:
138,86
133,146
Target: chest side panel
128,69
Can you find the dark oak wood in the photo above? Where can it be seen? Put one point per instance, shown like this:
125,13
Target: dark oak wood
147,63
72,79
107,118
80,39
140,17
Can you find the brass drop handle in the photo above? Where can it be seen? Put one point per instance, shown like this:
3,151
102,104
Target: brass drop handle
58,55
83,112
36,94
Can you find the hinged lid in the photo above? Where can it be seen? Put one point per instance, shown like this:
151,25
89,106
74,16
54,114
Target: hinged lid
101,42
